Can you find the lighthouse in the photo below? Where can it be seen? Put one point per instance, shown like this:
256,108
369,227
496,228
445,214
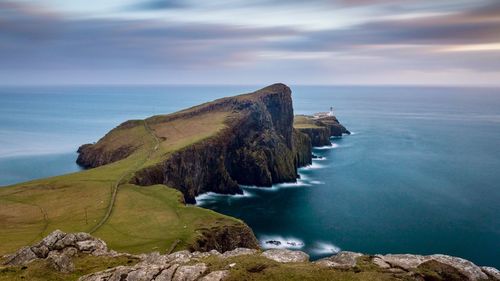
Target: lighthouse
331,111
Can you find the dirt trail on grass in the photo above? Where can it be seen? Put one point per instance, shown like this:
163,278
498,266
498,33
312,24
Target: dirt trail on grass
118,182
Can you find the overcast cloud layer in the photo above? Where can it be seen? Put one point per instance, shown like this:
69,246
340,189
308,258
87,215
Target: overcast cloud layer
250,42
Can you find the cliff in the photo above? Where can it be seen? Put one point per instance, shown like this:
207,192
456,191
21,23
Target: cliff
68,256
320,129
254,144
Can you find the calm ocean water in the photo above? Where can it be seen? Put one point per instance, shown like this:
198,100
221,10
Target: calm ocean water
420,174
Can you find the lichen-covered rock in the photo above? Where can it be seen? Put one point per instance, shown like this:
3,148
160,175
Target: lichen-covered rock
189,272
286,256
21,257
343,260
453,267
492,272
62,260
380,263
58,247
216,276
467,268
404,261
238,252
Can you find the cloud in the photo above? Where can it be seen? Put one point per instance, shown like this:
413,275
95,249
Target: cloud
159,4
40,45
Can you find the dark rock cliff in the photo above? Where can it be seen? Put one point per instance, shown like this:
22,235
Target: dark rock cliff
321,129
258,146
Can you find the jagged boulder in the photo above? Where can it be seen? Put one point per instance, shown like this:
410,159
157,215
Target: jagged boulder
453,268
286,256
238,252
492,272
58,248
177,266
216,276
343,260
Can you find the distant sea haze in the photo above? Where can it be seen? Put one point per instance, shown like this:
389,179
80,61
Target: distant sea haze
419,174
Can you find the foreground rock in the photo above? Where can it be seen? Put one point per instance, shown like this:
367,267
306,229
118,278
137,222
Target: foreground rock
60,248
286,256
343,260
461,268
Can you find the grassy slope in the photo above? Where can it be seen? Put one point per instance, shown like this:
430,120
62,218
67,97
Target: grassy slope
142,218
41,270
301,121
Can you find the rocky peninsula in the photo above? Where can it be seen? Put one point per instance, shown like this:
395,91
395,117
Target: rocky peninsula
256,144
129,205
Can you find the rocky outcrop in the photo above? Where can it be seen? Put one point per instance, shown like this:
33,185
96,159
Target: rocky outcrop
333,124
98,154
342,260
191,266
59,248
258,147
286,256
320,129
320,136
226,238
453,268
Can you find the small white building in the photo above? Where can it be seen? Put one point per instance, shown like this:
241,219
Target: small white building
324,114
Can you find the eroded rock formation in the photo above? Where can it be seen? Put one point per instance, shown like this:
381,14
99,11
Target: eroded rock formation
258,146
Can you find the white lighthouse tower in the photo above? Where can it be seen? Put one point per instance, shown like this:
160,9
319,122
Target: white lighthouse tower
331,111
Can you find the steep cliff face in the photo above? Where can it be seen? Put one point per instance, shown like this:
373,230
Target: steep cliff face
225,238
257,146
113,149
320,129
331,122
319,136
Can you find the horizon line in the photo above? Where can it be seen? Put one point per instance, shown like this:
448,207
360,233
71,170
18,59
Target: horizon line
420,85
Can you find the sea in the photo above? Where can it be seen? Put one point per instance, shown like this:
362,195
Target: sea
420,172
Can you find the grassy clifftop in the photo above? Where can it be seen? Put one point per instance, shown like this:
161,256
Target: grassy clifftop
105,201
142,172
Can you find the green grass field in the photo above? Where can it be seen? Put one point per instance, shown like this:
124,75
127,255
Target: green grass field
302,121
135,219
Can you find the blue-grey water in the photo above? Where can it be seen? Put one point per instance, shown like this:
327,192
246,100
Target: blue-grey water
420,174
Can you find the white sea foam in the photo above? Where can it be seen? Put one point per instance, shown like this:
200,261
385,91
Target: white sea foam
212,196
280,242
334,145
298,183
317,182
324,248
313,166
323,158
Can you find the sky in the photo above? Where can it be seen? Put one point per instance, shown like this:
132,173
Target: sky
314,42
